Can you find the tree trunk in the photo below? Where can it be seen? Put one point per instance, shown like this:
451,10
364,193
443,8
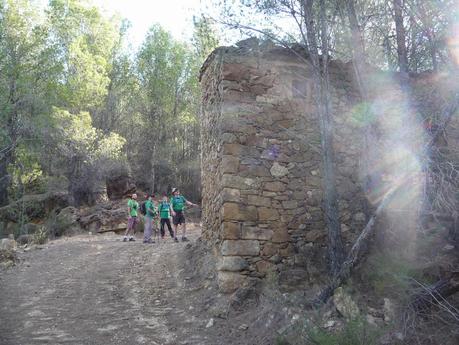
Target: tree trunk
322,86
413,52
401,36
153,170
357,46
5,159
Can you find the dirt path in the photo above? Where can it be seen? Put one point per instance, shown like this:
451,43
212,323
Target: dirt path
99,290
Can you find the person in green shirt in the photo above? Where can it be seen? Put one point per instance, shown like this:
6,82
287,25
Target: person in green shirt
165,210
150,215
178,203
133,207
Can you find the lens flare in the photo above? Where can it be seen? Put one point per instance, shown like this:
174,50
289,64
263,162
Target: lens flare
394,156
453,43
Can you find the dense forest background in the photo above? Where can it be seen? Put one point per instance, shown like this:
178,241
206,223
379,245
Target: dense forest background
79,104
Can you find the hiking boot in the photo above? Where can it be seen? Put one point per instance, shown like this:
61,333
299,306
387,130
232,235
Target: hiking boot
125,239
132,239
175,239
184,239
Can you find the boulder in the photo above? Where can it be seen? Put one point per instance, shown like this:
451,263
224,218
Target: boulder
110,216
24,239
119,187
389,310
8,244
35,206
345,305
65,223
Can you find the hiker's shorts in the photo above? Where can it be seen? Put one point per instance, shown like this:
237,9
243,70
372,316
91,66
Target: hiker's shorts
179,218
132,222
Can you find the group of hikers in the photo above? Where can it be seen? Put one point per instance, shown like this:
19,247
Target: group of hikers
151,210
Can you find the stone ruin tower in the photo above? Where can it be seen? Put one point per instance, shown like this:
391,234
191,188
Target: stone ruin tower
262,165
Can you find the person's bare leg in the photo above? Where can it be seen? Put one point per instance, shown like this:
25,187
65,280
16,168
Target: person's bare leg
128,230
175,230
184,230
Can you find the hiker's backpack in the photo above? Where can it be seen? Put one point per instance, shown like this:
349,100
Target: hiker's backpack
143,208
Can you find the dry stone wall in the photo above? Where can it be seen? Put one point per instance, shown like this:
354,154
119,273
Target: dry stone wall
262,164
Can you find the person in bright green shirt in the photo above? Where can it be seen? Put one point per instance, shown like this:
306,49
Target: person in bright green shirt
165,210
178,203
150,215
133,207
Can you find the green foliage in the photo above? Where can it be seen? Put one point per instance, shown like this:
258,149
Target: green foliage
27,176
204,38
71,83
83,41
357,331
281,341
86,154
354,332
75,136
55,225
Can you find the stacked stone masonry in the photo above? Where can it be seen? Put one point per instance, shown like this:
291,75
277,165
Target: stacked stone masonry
262,163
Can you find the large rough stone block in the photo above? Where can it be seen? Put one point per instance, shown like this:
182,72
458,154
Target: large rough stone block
237,182
278,170
233,211
274,187
253,170
281,235
230,231
258,201
267,213
228,282
232,149
315,235
235,72
231,194
256,233
232,264
230,164
265,266
270,249
290,204
240,248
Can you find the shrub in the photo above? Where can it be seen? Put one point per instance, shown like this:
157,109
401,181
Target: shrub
7,256
354,332
389,275
41,236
